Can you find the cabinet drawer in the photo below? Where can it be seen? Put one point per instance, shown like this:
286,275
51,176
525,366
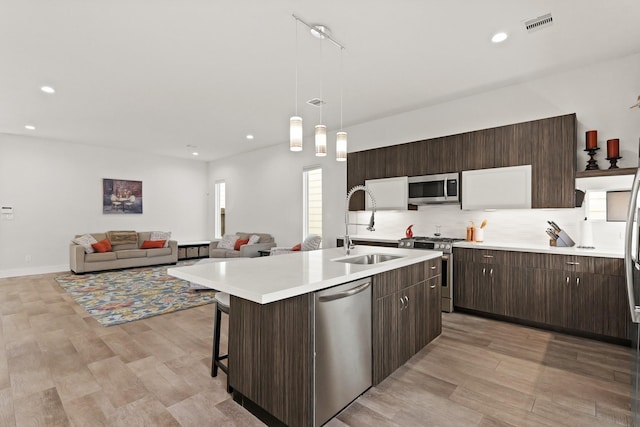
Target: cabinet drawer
586,264
485,256
203,251
433,268
392,281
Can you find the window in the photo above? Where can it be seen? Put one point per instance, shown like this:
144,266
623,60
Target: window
219,208
312,199
596,208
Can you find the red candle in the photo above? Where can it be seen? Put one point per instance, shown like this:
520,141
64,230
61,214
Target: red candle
592,139
613,147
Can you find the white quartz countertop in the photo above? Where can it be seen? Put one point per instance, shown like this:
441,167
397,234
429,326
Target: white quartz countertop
523,247
273,278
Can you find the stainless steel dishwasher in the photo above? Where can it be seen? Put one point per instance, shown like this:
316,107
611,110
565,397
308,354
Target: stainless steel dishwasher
342,345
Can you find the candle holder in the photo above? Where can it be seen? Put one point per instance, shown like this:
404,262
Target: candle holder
592,164
613,161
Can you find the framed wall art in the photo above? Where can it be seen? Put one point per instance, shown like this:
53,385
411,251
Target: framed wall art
120,196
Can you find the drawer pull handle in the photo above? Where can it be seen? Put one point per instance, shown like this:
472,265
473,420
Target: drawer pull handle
433,286
487,256
572,263
433,267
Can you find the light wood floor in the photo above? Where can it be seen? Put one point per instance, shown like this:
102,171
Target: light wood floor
59,367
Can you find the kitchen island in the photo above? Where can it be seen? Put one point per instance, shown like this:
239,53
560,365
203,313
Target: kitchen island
272,321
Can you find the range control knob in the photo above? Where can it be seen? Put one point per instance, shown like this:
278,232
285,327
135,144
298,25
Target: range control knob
448,246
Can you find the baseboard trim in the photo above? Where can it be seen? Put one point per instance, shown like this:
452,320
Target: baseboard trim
31,271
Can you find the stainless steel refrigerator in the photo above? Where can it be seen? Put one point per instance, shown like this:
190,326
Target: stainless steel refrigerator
632,271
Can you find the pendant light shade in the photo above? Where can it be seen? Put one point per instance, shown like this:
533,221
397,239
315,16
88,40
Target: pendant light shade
295,133
321,140
341,146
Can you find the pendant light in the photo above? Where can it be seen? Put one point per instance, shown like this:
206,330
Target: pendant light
321,130
295,122
341,137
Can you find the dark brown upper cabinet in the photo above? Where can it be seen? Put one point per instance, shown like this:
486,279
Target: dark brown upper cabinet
549,145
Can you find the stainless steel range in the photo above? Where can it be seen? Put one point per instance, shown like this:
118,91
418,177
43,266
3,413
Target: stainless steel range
443,244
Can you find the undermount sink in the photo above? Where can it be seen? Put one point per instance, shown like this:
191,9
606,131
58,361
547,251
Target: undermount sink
369,258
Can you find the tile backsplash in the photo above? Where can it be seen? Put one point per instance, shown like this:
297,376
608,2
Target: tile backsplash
503,226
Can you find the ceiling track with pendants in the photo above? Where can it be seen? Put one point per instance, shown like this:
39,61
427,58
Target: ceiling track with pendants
318,31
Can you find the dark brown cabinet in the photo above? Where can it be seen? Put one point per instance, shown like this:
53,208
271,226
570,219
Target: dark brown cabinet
582,300
482,274
406,314
549,145
575,293
431,297
480,152
554,162
525,295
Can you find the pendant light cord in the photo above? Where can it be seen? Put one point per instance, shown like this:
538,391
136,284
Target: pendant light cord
321,81
341,85
296,95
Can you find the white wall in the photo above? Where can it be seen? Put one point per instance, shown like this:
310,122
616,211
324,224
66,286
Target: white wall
265,187
264,192
55,189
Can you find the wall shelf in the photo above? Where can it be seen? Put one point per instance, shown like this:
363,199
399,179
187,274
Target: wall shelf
606,172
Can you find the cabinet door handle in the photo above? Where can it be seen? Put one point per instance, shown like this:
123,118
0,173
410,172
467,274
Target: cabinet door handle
577,281
401,303
487,256
567,280
484,270
433,286
491,272
433,267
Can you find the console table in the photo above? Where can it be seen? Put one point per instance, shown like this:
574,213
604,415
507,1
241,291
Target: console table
195,249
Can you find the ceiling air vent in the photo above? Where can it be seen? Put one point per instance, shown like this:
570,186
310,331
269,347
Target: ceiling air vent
316,102
538,23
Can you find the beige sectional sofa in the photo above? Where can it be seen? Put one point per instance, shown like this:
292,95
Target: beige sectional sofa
265,243
122,255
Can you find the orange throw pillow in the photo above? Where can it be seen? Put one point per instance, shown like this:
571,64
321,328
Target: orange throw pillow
297,247
239,243
152,244
102,246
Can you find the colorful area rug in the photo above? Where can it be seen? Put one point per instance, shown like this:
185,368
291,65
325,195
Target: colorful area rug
116,297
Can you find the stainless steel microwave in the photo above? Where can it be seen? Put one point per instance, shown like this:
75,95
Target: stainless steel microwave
441,188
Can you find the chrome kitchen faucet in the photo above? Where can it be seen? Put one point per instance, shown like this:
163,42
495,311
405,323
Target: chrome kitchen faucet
347,240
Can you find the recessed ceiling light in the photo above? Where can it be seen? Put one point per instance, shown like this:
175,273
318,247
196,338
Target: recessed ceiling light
499,37
195,153
47,89
249,136
30,127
